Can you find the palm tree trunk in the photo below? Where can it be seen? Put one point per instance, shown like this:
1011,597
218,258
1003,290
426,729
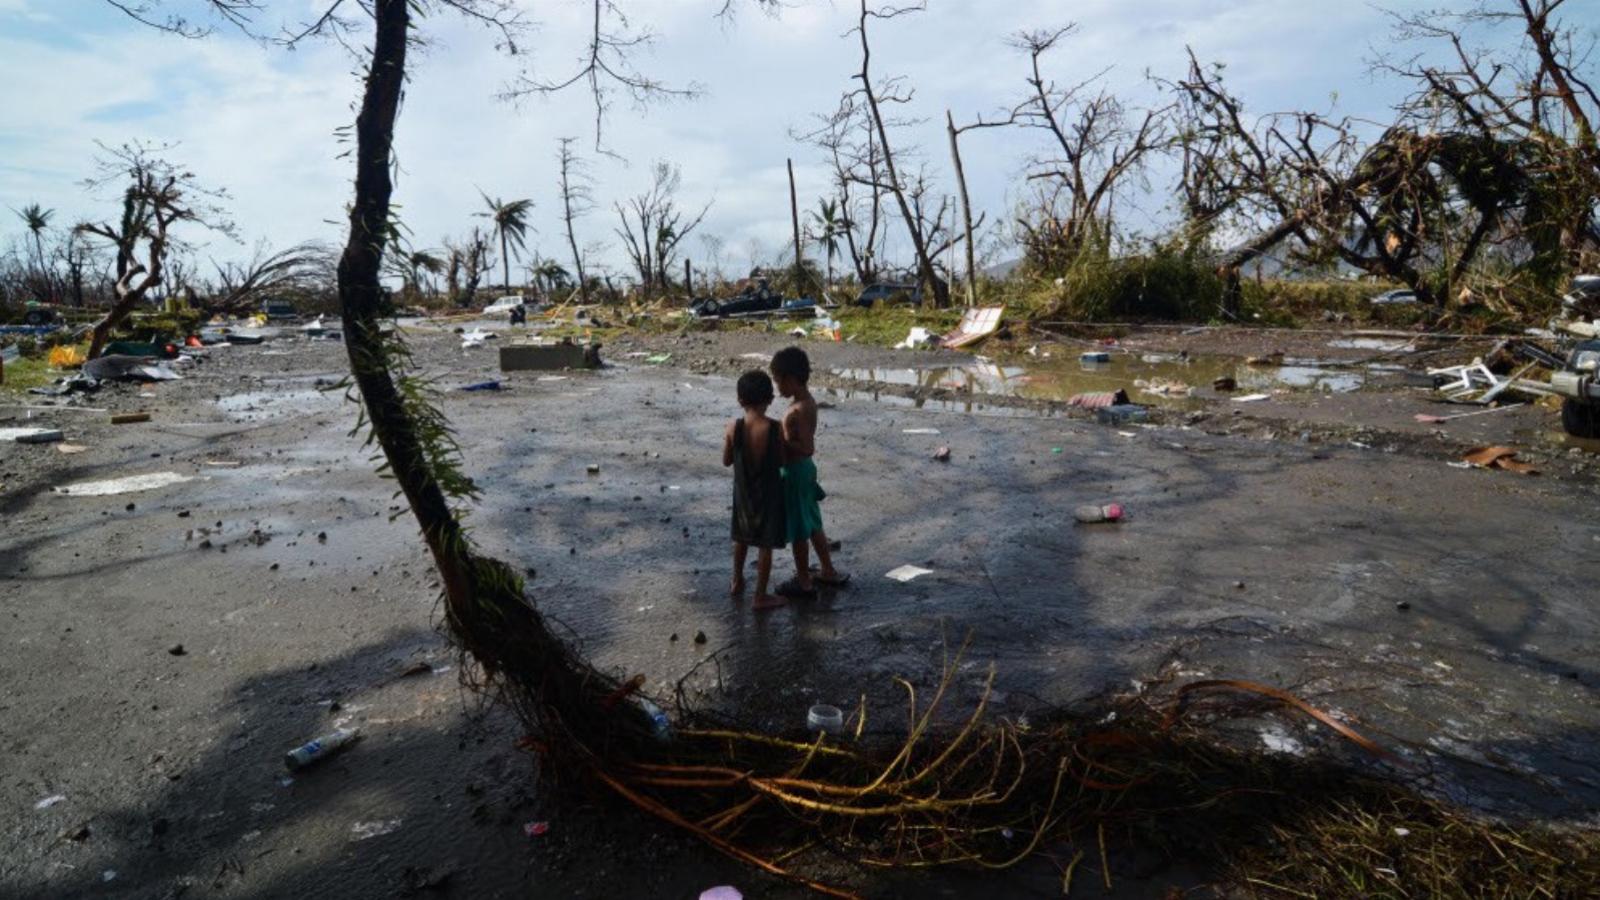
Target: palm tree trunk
505,261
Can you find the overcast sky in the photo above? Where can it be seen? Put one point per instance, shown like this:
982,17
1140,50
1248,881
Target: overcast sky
261,122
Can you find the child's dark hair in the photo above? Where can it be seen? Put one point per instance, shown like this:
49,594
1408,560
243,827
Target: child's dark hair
755,389
793,362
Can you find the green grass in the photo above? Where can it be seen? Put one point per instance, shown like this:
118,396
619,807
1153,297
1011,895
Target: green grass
25,373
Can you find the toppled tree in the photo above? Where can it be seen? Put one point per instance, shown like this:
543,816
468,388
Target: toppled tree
296,270
158,196
653,225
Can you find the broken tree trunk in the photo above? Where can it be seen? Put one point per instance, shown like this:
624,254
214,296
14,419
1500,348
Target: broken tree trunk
794,215
966,209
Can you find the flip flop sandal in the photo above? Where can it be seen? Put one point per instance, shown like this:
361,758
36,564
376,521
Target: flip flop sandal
793,590
838,581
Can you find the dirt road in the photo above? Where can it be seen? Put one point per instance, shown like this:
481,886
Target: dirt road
165,647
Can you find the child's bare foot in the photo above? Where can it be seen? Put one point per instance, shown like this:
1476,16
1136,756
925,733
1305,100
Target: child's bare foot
831,578
737,590
768,601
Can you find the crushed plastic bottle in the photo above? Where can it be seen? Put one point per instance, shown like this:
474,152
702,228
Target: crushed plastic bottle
1089,515
661,725
315,751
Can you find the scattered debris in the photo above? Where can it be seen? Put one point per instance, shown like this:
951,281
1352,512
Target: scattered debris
1089,515
1252,398
115,367
71,449
823,717
549,357
177,650
314,751
1095,357
1498,458
362,831
660,359
593,468
130,418
483,386
919,338
1427,419
1164,387
919,431
536,829
50,801
30,435
907,573
942,454
976,324
1099,399
1120,413
1225,383
127,485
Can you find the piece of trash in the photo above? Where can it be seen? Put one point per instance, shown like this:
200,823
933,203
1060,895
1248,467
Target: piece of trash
942,454
760,357
593,468
1402,832
1164,387
476,338
535,829
30,435
823,717
907,573
1459,465
50,801
362,831
1095,357
1056,450
918,339
1120,413
660,724
108,875
1252,398
130,418
659,359
65,357
117,367
1225,383
128,485
798,332
919,431
976,324
314,751
222,463
721,892
71,449
1089,515
177,650
1498,458
483,386
1427,419
1098,399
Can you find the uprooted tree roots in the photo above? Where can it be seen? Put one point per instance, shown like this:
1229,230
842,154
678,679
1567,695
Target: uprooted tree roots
973,790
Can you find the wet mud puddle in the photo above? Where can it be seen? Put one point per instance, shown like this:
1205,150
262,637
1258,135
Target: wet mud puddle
1161,379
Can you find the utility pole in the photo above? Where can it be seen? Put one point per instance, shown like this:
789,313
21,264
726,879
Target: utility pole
794,214
966,210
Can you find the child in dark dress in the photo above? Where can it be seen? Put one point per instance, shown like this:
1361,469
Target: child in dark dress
753,446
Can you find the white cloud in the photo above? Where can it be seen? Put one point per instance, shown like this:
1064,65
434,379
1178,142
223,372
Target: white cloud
261,122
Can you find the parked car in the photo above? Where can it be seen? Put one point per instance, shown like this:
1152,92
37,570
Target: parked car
279,310
502,308
887,292
1392,297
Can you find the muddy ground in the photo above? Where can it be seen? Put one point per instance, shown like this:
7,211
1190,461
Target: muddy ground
165,647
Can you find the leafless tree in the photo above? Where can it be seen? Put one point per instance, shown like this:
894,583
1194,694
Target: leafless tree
848,138
1097,142
577,200
157,196
653,226
875,97
467,260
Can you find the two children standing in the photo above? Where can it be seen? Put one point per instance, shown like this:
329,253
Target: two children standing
776,497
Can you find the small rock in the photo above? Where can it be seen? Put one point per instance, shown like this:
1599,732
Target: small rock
1403,605
184,514
699,637
322,537
177,650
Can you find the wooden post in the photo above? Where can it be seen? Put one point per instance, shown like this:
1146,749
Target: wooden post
688,278
966,210
794,214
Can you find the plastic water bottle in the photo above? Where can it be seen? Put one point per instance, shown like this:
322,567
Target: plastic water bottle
1089,515
317,750
660,724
